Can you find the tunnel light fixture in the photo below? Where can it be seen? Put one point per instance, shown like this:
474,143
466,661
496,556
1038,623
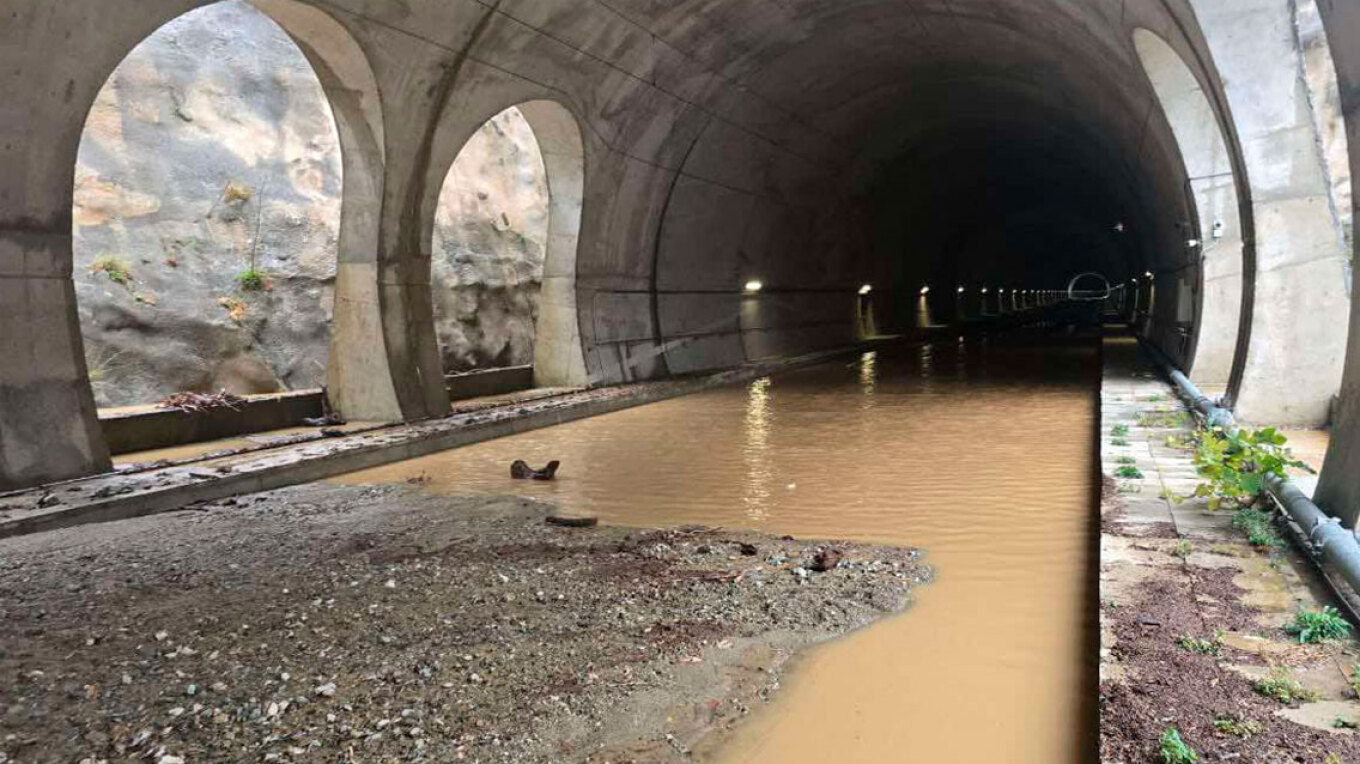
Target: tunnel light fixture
753,286
925,290
1192,242
866,289
1119,227
984,290
1147,274
960,290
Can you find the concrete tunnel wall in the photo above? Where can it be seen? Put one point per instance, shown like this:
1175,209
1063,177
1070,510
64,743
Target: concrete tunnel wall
815,146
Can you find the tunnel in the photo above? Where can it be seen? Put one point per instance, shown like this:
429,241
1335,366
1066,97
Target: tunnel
950,147
728,189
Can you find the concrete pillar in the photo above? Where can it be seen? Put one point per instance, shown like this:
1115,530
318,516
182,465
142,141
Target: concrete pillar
558,359
359,381
1338,490
1293,365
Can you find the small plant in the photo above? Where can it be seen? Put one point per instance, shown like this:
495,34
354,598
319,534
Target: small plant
1353,678
1235,464
251,280
1155,398
1332,758
1182,549
236,193
1202,646
1119,441
1169,495
1180,442
1120,430
1127,460
236,308
1127,471
1258,525
1342,723
1321,626
1174,750
1281,685
1231,725
116,268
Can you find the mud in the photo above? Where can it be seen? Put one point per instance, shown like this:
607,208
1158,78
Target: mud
332,623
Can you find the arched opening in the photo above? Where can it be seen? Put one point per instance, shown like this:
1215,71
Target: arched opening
206,213
503,262
1215,230
217,222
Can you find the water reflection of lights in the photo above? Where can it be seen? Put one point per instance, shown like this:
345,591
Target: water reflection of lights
868,371
755,451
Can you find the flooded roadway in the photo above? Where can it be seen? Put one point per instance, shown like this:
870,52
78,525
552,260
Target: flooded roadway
979,451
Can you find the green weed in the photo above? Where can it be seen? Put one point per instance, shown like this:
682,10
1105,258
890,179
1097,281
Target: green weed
1182,549
1130,472
1119,441
1231,725
1127,460
1202,646
1175,750
1342,723
1119,430
1281,685
251,280
1258,525
1234,464
116,268
1324,625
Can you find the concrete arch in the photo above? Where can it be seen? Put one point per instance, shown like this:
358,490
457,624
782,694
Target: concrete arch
558,359
558,356
1292,368
48,382
359,384
1211,192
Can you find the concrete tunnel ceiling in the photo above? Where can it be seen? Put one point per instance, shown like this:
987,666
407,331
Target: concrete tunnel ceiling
981,141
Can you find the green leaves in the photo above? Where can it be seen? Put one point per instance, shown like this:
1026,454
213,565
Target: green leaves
1321,626
1235,463
1174,750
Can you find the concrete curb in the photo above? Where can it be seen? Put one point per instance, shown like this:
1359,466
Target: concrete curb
410,441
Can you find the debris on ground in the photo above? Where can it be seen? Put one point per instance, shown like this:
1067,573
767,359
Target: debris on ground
197,403
345,623
520,470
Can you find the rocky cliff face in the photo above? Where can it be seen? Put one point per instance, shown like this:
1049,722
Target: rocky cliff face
210,154
491,231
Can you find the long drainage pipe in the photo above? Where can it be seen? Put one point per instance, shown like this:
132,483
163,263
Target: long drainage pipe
1326,537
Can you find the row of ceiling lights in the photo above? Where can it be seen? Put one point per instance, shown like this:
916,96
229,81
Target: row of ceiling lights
755,285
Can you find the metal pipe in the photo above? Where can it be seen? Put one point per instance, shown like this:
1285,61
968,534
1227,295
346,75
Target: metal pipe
1214,415
1327,538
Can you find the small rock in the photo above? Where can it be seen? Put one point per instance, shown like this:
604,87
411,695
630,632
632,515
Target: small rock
326,690
825,560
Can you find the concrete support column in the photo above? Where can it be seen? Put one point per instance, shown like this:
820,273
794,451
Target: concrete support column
1338,490
1293,366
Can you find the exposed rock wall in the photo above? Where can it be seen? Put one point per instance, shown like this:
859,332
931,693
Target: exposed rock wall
491,232
213,144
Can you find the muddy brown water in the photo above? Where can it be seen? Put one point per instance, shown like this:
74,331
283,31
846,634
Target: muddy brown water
981,451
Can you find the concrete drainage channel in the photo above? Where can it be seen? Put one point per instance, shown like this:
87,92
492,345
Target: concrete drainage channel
117,496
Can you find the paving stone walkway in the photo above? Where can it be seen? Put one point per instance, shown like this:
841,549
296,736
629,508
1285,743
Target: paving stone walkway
1171,568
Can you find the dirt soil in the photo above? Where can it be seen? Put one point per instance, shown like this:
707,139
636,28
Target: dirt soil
333,623
1168,684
